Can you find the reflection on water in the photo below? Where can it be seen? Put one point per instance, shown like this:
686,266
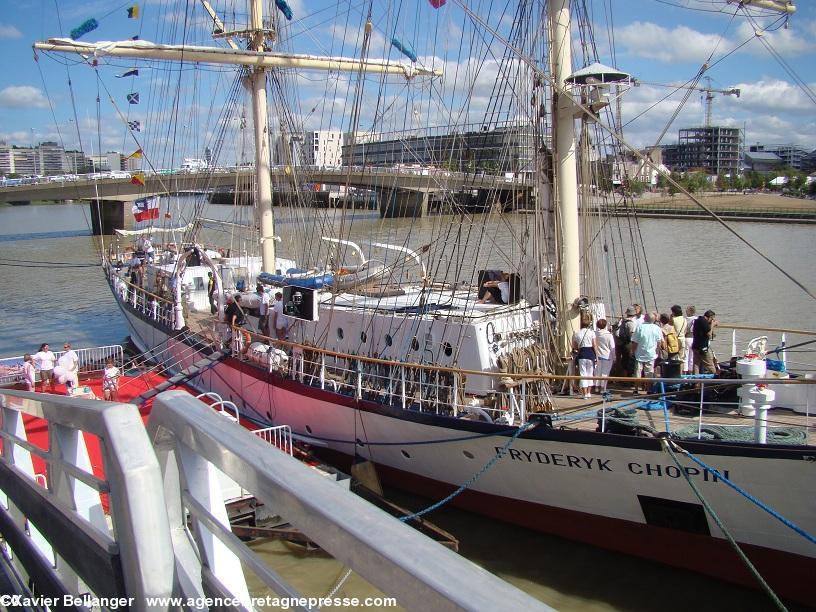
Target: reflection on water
691,262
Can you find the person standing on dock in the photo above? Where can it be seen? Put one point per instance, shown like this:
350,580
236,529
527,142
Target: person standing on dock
44,360
69,361
29,372
110,381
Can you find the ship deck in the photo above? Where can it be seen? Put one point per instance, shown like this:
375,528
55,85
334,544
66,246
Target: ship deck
650,412
719,417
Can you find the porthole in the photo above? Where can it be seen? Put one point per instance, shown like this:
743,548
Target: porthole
468,454
309,429
447,349
414,344
388,340
340,333
405,454
363,337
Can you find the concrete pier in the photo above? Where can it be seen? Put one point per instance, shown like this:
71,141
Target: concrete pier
397,203
109,215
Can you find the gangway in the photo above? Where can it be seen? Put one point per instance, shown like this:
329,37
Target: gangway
154,524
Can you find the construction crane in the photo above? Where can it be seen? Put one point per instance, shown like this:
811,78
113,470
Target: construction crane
708,91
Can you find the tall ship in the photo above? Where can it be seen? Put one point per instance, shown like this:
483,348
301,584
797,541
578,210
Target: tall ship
433,337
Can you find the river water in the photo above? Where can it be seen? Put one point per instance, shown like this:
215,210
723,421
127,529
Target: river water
67,299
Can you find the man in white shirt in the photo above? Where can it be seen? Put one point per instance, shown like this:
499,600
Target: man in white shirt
263,310
69,361
44,360
279,317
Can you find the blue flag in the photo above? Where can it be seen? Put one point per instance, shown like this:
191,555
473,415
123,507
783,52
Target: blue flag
131,72
133,98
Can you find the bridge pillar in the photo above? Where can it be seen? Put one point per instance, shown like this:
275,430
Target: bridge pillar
109,215
402,203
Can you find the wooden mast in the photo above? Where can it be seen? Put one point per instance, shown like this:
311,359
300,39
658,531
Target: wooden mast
566,184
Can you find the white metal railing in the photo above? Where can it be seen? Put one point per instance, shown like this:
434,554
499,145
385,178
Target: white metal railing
280,436
149,304
194,445
91,359
57,528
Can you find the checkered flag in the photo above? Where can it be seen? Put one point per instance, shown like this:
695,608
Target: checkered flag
135,126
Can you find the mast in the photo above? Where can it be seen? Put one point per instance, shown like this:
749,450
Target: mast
566,183
263,178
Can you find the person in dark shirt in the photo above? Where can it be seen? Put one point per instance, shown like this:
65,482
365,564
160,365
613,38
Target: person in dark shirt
211,292
702,333
234,317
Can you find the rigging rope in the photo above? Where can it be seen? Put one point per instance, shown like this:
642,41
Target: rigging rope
499,454
667,445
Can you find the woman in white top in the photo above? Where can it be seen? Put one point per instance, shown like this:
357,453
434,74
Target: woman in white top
44,360
110,381
605,346
29,372
584,346
691,315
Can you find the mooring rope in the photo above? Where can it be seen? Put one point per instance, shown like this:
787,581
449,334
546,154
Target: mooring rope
667,445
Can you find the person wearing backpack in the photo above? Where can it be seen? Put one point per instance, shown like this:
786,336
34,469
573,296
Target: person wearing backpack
671,341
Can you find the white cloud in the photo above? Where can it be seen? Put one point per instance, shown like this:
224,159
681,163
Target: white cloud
9,31
682,44
22,96
786,41
678,45
774,96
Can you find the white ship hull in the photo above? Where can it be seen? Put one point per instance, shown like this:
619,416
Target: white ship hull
618,492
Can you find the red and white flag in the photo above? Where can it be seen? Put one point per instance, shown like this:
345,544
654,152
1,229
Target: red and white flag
146,208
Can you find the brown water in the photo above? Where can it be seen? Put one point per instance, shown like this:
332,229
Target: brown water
702,264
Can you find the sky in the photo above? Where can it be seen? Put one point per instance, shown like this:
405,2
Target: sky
659,42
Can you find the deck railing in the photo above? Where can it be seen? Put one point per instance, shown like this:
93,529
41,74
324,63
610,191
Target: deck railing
440,390
153,306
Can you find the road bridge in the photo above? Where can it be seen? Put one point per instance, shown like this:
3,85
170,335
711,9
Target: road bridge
400,192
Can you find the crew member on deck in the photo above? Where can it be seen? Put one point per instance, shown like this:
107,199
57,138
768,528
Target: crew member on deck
497,291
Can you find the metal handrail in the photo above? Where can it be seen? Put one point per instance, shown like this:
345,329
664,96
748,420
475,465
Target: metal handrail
69,548
192,440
